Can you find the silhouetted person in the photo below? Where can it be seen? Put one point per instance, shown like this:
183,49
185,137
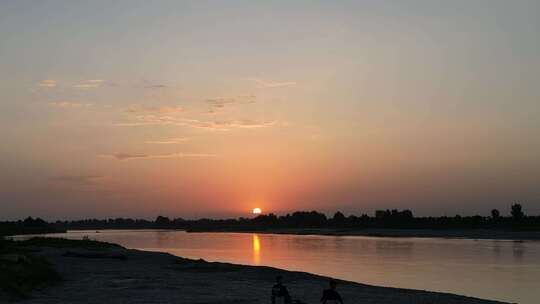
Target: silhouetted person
279,291
331,295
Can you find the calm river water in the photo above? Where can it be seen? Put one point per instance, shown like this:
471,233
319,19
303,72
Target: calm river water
491,269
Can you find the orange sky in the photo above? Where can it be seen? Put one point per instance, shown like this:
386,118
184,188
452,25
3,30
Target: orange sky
199,109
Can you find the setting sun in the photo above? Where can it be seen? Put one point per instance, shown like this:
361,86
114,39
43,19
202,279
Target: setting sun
257,211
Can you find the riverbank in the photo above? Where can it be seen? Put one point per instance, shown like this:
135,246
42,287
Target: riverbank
118,275
420,233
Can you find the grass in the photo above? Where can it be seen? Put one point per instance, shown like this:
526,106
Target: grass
19,278
65,243
21,272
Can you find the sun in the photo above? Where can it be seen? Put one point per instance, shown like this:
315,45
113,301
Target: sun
257,210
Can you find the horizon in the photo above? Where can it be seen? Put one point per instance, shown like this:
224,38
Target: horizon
252,215
205,109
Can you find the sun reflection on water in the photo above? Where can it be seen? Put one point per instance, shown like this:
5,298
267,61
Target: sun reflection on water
256,250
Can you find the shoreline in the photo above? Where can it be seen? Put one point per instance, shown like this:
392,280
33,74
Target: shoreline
119,275
479,234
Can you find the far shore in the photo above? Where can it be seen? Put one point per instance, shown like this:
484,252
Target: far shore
416,233
475,234
112,274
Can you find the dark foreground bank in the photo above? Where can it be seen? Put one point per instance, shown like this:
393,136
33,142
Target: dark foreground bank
104,273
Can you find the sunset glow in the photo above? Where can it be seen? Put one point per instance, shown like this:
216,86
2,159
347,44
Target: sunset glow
257,211
350,106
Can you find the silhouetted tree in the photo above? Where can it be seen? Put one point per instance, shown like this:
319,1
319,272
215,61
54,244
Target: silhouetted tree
266,220
517,212
338,220
407,214
162,221
307,219
30,222
339,217
495,214
380,214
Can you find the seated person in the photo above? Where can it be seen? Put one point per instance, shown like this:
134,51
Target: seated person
331,295
279,291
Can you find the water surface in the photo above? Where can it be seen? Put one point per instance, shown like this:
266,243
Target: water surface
491,269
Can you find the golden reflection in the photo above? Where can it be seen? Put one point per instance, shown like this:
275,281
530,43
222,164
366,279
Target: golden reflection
256,250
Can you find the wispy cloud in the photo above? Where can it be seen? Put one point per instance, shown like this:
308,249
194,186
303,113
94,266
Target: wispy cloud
69,104
146,84
217,125
143,120
226,125
221,102
155,86
78,179
130,156
168,141
48,83
88,84
154,109
261,83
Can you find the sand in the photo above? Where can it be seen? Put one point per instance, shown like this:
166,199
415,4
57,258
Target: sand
117,275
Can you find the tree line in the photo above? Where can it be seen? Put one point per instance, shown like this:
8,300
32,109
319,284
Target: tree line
396,219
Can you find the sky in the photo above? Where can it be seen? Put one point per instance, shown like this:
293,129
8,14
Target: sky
212,108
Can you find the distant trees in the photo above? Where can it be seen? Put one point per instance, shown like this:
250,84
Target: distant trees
269,220
306,219
30,222
339,219
517,212
394,218
28,226
162,221
495,214
398,219
407,214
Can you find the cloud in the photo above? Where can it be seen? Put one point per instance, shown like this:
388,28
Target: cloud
146,84
247,123
143,120
155,86
221,102
168,141
47,83
218,125
124,156
272,84
78,179
88,84
128,156
69,104
154,109
226,125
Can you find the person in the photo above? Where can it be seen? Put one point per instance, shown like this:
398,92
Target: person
331,295
279,291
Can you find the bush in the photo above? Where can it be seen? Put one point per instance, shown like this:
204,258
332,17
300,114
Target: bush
20,273
65,243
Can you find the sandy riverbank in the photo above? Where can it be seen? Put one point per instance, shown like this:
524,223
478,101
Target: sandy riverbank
117,275
430,233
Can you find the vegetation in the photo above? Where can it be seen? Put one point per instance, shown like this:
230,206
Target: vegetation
383,219
21,272
64,243
28,226
396,219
